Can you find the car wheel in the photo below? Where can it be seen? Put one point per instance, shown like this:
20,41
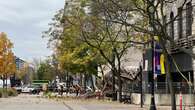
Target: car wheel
34,92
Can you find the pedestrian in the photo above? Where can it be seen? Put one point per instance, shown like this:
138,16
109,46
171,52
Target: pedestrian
61,90
77,89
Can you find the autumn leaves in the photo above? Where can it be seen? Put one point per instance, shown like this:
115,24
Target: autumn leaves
7,58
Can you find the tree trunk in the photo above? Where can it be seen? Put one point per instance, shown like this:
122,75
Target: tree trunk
67,82
85,80
167,84
103,80
119,81
81,78
6,86
113,69
119,75
120,88
170,82
3,81
113,86
6,81
92,83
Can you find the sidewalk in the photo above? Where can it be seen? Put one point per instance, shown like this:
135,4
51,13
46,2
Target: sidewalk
103,105
115,107
74,103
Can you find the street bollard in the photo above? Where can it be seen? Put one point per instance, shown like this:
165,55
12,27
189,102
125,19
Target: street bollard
98,94
180,100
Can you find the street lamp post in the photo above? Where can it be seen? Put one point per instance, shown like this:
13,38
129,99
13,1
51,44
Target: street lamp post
141,85
151,21
152,105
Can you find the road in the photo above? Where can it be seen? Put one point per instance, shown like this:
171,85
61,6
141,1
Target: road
30,102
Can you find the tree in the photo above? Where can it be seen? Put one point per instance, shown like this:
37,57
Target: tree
72,54
45,71
99,32
7,59
55,30
154,14
97,38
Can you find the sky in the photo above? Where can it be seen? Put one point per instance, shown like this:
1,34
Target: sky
24,21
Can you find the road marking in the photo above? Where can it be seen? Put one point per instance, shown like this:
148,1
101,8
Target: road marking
70,108
74,106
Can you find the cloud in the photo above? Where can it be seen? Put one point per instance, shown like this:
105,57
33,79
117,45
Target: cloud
24,21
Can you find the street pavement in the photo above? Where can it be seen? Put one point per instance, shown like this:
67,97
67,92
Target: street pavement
103,105
35,102
30,102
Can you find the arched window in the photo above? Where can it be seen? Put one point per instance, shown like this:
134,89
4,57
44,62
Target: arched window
189,19
172,25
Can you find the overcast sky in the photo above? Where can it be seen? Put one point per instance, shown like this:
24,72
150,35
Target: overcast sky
24,21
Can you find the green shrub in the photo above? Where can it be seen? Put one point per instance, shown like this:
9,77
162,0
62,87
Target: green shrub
7,92
12,92
47,94
1,93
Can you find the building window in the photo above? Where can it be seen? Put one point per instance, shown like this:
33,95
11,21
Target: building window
172,25
189,19
180,22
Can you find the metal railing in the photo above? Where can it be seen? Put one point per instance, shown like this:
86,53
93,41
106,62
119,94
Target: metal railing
160,87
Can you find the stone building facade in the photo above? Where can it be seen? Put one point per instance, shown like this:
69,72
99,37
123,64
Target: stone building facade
183,32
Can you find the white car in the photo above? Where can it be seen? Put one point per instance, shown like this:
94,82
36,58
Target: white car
27,89
31,89
18,89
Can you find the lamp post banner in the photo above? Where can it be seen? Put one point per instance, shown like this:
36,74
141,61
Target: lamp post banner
157,53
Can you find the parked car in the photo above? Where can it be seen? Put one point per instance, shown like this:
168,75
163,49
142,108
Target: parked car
18,89
37,89
31,89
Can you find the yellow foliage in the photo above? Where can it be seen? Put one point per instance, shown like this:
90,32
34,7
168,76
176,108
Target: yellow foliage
7,58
